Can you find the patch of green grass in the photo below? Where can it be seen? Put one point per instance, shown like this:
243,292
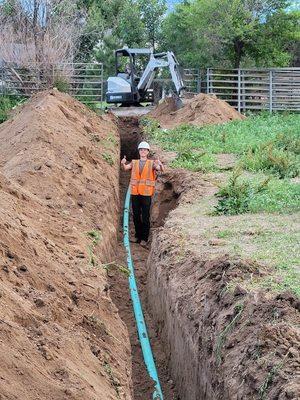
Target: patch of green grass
194,160
238,137
233,137
7,103
270,240
236,195
280,196
95,237
61,84
113,265
114,381
108,158
257,194
268,381
224,234
277,161
150,127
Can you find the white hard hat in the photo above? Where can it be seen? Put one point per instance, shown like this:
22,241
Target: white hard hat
144,145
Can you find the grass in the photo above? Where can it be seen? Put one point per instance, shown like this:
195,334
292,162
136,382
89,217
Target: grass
223,335
263,142
95,237
234,137
280,196
268,381
257,194
236,195
273,241
7,103
108,158
114,381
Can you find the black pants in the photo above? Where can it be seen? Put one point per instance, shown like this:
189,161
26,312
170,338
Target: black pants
141,216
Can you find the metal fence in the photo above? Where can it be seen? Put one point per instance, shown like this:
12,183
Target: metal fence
81,80
249,89
275,89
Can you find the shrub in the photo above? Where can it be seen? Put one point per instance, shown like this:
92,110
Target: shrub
266,157
235,197
6,104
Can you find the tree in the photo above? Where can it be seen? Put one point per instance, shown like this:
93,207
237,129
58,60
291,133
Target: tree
135,23
231,33
38,31
152,13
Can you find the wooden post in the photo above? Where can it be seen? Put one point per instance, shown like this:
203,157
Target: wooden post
271,91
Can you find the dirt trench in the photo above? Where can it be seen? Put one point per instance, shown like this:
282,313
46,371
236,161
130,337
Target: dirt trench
131,135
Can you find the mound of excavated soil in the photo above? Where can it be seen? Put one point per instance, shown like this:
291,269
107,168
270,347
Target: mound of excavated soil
201,110
61,336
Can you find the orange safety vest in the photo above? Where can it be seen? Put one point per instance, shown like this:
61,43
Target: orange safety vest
144,183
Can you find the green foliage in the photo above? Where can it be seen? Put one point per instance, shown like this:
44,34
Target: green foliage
266,157
95,237
108,158
150,127
289,142
112,24
61,84
235,197
280,196
268,381
193,160
238,137
7,103
152,12
214,33
115,266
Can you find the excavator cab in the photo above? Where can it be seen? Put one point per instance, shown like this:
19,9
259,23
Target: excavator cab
123,88
132,83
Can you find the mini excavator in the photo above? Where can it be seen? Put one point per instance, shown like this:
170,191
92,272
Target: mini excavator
132,84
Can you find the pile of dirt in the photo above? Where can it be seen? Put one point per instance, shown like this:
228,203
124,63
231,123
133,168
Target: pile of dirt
201,110
61,336
167,106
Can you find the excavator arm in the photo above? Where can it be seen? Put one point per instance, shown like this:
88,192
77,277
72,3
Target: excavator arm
161,60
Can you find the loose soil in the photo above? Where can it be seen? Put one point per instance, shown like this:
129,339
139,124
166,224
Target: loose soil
201,110
61,336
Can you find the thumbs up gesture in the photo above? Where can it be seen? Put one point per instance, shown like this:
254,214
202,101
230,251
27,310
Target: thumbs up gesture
158,164
123,161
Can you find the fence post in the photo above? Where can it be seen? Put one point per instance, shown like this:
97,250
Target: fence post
239,90
208,81
198,83
2,82
101,80
271,91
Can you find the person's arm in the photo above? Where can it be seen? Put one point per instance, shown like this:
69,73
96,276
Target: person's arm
126,167
158,165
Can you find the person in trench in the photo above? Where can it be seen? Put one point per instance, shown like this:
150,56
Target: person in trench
142,187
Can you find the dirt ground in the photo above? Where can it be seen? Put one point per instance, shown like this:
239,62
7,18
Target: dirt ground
223,343
131,135
66,325
200,110
61,336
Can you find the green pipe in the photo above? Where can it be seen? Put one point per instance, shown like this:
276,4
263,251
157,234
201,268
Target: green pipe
137,308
